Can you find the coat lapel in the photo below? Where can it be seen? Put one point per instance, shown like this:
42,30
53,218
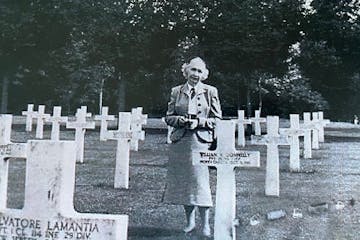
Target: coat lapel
201,88
185,90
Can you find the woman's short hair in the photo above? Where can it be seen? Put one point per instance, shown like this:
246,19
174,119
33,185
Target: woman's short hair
199,63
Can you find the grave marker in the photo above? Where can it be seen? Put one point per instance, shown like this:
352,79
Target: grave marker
84,109
41,117
30,114
294,132
257,120
7,150
56,119
242,122
80,125
323,123
315,131
308,127
123,137
104,118
272,140
137,120
48,211
225,158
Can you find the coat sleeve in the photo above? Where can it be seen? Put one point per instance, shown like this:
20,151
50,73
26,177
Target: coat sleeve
172,119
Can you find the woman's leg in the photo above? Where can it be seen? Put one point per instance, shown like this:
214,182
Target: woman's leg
204,214
190,218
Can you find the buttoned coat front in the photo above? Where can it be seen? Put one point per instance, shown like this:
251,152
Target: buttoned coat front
208,109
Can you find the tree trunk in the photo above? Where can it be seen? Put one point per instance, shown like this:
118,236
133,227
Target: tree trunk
4,94
260,95
248,107
101,96
248,101
121,93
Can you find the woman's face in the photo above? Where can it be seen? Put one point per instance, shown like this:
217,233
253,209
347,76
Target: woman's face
194,74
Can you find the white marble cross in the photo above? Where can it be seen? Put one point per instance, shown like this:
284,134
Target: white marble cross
323,123
7,150
104,118
41,117
137,120
48,211
80,125
56,119
272,140
315,131
294,132
257,120
84,109
225,158
308,126
241,123
30,114
123,137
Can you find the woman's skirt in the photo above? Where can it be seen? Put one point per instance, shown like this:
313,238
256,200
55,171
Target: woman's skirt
187,184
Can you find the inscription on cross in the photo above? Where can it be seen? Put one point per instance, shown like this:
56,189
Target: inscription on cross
80,125
104,118
225,158
294,132
30,115
241,123
56,119
257,120
48,211
137,120
7,150
123,136
272,140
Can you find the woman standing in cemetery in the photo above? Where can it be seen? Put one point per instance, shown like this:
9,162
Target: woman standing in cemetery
192,112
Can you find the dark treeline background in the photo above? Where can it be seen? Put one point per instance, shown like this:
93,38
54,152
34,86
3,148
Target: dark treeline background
283,56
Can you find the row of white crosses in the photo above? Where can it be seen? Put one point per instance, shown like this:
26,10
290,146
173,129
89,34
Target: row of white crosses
48,211
242,122
128,134
225,158
285,136
315,126
80,125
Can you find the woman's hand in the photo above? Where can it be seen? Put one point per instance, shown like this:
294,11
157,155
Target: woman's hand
193,123
183,121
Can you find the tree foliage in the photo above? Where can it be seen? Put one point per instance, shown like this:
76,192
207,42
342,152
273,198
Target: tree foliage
69,52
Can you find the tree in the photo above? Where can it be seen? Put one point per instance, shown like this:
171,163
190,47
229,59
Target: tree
329,49
30,30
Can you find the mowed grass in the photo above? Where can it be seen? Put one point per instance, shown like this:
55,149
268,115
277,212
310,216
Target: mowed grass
332,174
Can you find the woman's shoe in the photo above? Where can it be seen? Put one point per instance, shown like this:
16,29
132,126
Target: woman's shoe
189,227
206,231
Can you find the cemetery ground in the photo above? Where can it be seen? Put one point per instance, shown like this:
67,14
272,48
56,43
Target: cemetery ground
331,175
